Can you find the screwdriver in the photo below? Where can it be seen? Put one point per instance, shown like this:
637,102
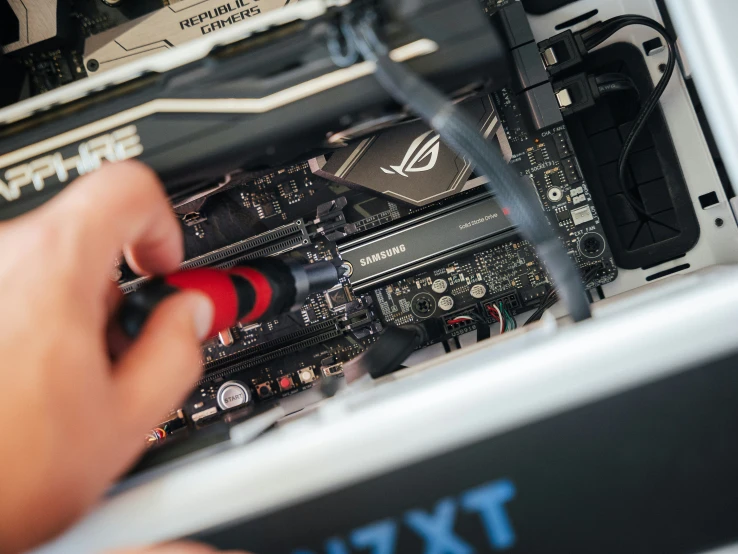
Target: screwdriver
256,291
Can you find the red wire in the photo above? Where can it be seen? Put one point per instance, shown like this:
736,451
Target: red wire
492,313
455,321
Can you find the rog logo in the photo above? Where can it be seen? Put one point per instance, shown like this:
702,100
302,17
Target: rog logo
418,153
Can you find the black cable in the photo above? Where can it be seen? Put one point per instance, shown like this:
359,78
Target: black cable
552,298
387,354
549,301
608,83
342,54
460,134
599,33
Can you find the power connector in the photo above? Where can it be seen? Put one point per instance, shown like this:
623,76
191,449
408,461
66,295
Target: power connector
576,93
562,52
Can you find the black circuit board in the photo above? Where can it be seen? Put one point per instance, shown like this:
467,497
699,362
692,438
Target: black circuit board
509,273
290,354
548,162
297,351
295,371
293,353
52,68
252,206
247,207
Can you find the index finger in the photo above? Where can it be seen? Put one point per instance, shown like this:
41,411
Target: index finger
123,206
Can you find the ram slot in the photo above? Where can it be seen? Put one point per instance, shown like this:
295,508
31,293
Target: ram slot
271,243
270,345
255,361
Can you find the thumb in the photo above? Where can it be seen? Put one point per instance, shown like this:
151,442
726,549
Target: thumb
162,365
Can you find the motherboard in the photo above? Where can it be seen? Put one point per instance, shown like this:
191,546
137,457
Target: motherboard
467,272
447,260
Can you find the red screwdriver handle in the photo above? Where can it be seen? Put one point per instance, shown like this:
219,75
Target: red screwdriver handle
259,291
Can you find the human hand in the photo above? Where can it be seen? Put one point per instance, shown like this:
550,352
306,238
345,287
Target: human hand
72,418
177,548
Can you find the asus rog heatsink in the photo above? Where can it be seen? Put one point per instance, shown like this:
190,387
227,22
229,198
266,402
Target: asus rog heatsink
409,163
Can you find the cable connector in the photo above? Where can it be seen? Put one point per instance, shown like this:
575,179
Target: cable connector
581,91
576,93
562,52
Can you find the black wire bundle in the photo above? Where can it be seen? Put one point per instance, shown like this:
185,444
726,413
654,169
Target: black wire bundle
552,298
599,33
460,134
549,301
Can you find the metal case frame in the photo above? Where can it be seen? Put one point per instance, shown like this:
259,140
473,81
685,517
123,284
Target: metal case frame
422,412
717,245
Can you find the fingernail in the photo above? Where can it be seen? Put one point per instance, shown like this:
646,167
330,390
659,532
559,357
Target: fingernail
202,312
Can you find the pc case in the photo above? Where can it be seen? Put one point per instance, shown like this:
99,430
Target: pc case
612,435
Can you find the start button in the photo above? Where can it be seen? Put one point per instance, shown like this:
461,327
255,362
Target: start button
233,394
